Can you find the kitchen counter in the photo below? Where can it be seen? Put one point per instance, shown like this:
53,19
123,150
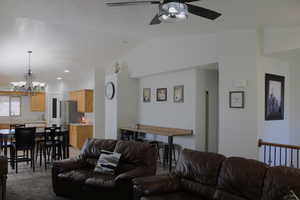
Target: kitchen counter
80,124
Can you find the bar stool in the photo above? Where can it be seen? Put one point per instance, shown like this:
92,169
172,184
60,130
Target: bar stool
175,148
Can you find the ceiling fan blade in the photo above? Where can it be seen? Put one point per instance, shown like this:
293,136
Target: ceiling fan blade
203,12
155,20
188,1
131,3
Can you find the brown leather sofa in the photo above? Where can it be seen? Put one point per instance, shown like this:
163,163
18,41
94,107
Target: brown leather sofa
3,176
206,176
75,178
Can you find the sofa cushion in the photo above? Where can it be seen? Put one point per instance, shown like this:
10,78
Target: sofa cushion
279,181
92,147
199,172
101,180
199,166
173,196
76,176
137,153
242,178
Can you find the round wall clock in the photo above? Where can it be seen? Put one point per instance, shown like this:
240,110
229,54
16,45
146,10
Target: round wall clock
110,90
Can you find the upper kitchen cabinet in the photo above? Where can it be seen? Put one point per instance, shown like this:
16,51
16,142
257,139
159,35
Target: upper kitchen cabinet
84,99
38,102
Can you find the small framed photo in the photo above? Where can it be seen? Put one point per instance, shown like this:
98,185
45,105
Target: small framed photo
237,99
146,95
161,94
179,94
274,97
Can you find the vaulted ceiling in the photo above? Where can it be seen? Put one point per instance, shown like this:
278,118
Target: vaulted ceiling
81,34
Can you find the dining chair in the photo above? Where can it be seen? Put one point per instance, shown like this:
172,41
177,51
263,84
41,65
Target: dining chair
24,141
52,147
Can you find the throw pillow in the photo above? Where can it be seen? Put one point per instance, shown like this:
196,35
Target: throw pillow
291,196
107,162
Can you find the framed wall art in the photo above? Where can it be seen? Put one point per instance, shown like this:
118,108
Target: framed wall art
274,97
179,94
146,95
161,94
237,99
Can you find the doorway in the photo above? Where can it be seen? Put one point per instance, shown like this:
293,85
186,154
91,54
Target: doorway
53,109
208,108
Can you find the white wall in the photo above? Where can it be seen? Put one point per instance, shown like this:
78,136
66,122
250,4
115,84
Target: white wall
274,131
170,114
237,61
121,111
235,51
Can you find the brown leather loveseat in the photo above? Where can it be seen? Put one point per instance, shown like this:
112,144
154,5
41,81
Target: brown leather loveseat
76,179
207,176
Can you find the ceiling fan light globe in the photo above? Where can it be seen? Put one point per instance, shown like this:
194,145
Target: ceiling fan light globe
173,12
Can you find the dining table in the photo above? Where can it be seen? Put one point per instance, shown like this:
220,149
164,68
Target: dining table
7,136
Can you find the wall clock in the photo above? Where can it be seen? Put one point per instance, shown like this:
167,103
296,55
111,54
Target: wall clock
110,90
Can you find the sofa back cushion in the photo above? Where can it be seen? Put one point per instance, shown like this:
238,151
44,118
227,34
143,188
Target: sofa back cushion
136,153
93,147
241,179
279,181
199,171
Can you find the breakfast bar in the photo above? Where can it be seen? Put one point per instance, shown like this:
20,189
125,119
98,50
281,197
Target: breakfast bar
157,130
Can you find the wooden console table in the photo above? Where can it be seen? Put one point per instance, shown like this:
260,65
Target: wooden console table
157,130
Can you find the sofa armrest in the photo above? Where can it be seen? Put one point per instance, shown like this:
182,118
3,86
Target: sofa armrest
68,165
154,185
134,173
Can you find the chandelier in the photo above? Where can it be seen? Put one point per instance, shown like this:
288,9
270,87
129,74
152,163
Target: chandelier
28,86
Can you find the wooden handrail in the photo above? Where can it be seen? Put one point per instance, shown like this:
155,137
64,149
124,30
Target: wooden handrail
261,143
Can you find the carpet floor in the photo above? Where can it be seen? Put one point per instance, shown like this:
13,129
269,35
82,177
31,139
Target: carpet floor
30,186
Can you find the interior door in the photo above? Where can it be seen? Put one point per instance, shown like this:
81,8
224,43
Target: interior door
54,115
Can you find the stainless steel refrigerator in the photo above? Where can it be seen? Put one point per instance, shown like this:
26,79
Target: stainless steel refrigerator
69,114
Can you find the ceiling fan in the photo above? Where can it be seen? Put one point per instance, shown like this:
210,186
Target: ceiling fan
172,10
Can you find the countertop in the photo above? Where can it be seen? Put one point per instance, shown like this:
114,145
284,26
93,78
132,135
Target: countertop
24,122
80,124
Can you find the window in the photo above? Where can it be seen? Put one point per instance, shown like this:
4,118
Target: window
15,106
4,106
10,106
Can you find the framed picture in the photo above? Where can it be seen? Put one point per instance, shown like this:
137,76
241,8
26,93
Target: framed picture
179,94
161,94
274,97
147,95
237,99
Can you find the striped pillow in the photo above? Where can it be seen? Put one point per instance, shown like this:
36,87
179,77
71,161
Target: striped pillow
107,162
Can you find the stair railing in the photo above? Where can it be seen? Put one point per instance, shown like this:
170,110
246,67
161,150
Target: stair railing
279,154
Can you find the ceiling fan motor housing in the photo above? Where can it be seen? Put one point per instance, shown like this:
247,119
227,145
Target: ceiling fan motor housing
173,12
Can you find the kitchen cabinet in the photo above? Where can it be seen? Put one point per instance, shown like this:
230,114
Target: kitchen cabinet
38,102
79,133
4,126
84,99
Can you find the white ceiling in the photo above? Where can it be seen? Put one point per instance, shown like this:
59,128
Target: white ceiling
81,34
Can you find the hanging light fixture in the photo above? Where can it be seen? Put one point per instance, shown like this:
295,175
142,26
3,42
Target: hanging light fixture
173,12
28,86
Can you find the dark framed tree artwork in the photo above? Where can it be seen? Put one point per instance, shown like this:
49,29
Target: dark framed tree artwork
274,97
